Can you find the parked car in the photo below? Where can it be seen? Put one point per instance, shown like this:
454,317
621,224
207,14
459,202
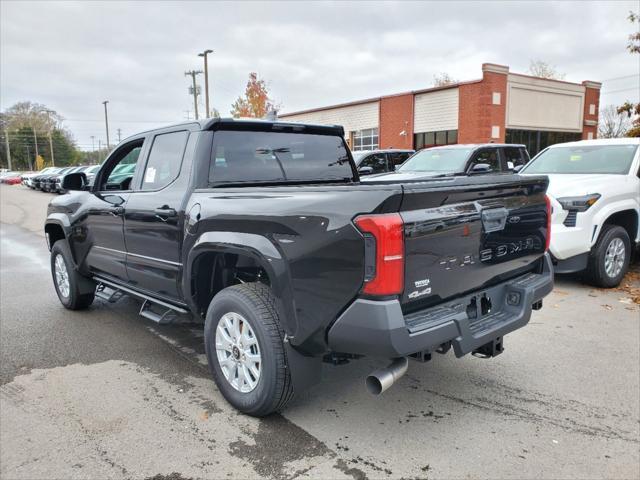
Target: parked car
263,231
10,178
55,181
463,159
595,193
90,173
380,161
47,182
39,180
28,178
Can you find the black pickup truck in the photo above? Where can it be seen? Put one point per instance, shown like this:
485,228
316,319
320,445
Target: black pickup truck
264,231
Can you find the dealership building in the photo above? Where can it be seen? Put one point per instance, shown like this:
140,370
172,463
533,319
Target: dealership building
500,107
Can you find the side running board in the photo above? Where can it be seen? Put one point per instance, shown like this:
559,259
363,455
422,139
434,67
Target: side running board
152,308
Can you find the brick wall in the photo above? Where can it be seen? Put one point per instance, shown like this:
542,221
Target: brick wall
591,97
477,113
396,116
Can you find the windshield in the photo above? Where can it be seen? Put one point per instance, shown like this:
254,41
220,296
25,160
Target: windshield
437,160
603,159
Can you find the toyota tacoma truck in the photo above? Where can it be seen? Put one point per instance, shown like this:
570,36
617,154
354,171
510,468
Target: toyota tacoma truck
263,231
595,194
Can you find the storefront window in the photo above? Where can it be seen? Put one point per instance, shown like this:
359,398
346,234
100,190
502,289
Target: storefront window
366,139
537,140
430,139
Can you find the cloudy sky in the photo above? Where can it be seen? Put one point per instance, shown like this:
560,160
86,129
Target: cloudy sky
72,56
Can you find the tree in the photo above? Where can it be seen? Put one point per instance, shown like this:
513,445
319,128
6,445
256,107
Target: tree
634,38
542,69
256,102
631,110
612,124
442,79
26,122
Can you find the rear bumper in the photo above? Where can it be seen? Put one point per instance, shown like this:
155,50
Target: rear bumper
379,328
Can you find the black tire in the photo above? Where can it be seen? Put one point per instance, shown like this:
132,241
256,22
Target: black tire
74,300
256,304
596,271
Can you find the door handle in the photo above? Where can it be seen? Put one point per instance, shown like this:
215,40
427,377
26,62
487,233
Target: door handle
117,211
165,212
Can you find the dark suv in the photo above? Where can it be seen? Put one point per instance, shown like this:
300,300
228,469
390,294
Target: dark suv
380,161
466,159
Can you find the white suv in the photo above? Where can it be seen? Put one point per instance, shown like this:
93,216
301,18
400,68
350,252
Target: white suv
594,187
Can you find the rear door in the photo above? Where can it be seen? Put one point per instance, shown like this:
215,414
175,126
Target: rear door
154,214
460,238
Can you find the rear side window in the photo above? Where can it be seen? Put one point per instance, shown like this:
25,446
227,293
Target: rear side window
514,157
164,161
377,161
396,158
255,157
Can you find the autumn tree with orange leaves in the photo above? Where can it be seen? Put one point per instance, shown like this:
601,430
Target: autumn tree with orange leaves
255,102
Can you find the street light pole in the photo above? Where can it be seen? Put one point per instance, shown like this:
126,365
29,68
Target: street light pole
192,74
106,121
206,80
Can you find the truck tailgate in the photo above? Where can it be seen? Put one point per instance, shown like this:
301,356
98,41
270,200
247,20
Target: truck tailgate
464,237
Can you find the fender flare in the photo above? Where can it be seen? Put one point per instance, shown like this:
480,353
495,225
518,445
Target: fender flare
60,220
601,217
263,251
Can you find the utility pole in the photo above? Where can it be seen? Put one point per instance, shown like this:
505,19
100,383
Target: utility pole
53,161
119,133
106,121
29,157
99,150
206,80
6,142
35,139
192,74
93,143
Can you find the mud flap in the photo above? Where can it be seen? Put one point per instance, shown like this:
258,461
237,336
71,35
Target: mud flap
305,371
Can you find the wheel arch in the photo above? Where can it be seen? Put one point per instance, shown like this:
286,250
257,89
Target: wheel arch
627,219
55,228
219,259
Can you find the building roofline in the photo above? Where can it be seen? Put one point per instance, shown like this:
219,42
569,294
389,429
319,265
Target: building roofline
377,99
427,90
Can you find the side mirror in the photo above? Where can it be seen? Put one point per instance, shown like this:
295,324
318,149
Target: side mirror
74,181
481,168
517,168
397,167
365,170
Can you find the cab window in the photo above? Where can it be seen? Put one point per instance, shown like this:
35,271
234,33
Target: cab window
377,161
165,159
121,167
488,156
513,157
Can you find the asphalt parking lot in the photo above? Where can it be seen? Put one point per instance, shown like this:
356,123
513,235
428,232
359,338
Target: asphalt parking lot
107,394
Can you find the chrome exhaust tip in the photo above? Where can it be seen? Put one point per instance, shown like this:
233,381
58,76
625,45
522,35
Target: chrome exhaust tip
382,379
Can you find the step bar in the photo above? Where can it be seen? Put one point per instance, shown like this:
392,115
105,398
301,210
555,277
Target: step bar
111,292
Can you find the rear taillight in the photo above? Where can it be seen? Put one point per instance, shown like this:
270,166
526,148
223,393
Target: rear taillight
387,275
549,212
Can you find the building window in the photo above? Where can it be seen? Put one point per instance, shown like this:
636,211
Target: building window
431,139
537,140
366,139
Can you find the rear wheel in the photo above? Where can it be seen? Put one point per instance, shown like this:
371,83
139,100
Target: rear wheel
66,279
244,345
609,259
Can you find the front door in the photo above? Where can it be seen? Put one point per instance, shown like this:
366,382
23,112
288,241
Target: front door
105,217
154,215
